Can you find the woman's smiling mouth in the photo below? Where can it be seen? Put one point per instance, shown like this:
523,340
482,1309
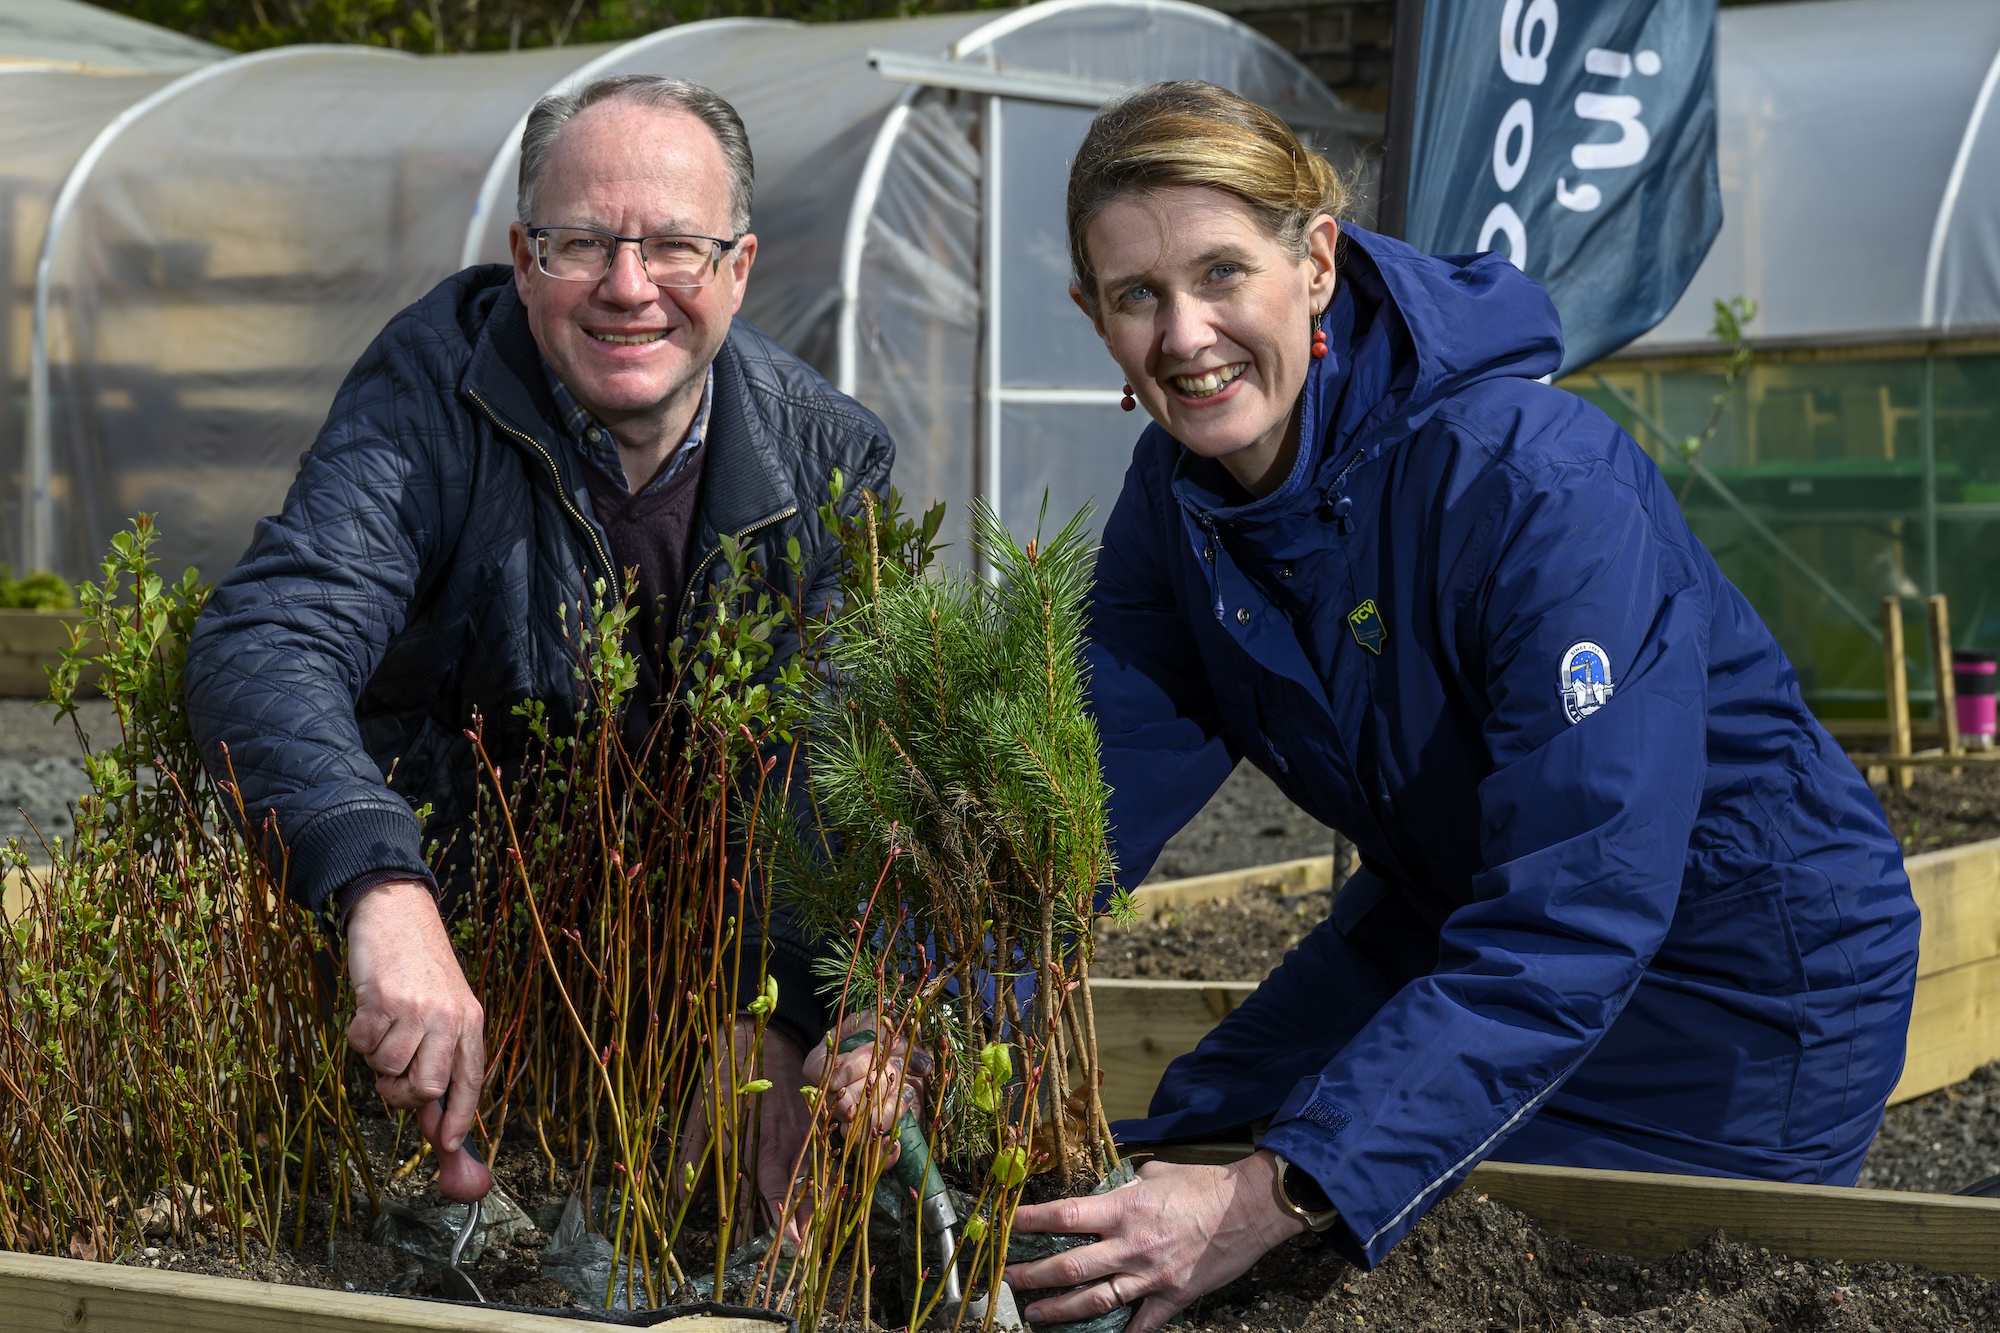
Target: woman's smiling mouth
1210,382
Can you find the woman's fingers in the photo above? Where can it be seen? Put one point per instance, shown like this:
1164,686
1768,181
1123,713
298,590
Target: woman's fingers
1085,1303
1153,1314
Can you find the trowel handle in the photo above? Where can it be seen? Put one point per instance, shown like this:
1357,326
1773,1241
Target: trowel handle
914,1169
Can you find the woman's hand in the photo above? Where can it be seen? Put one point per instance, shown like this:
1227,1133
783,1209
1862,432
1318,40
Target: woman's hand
884,1083
1174,1234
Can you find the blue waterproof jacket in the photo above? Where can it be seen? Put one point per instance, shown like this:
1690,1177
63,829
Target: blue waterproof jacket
1623,901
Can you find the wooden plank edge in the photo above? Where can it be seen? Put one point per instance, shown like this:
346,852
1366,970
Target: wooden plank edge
1310,872
47,1295
1970,759
1651,1216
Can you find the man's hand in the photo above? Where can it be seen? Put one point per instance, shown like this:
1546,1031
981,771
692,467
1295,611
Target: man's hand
885,1083
417,1023
783,1123
1174,1234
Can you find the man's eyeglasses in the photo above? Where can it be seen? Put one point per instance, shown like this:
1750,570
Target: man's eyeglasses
583,254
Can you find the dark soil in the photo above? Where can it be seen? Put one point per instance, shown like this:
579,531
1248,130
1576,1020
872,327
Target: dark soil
1940,810
1248,822
1474,1266
1240,939
343,1256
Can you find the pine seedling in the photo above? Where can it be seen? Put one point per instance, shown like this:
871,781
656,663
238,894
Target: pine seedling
960,838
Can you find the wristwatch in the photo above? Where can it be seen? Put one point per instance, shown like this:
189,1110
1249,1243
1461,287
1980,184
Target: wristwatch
1300,1195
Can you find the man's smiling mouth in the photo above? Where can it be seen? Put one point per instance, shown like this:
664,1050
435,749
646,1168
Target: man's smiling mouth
1209,383
629,339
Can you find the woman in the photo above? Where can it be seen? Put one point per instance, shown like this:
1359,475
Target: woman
1623,902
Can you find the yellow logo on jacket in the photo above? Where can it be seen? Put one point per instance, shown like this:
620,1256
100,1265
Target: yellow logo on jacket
1369,631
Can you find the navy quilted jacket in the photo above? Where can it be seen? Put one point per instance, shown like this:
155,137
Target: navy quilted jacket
430,560
1623,903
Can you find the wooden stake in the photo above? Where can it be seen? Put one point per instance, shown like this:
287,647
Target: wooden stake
1896,685
1947,685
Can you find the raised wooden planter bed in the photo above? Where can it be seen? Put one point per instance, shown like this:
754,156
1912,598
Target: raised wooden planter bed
1955,1027
1649,1216
41,1295
30,642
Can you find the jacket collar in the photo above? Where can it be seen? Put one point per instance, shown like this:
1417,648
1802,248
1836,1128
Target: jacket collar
504,377
746,484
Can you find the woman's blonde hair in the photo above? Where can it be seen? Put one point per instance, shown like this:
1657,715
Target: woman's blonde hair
1193,133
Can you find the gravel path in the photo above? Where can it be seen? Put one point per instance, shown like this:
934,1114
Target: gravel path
41,768
1940,1142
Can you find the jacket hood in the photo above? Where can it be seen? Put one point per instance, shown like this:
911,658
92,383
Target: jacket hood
1466,318
1406,332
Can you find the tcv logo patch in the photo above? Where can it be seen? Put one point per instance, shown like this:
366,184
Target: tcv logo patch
1366,622
1585,680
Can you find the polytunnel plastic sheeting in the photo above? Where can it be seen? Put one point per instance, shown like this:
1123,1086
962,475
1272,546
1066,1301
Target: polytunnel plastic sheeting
1840,123
47,118
231,255
916,330
84,37
1143,41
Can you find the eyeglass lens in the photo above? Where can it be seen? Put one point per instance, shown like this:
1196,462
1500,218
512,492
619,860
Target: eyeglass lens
582,255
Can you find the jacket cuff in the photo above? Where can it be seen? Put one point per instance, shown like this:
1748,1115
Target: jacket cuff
1306,1134
342,846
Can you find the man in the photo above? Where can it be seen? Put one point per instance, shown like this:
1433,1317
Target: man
506,443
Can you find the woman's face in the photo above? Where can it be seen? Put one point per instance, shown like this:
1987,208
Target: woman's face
1211,321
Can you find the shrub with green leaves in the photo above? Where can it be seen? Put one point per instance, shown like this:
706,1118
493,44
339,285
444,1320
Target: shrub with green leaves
37,590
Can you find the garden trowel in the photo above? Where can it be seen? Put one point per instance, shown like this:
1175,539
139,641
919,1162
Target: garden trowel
916,1173
458,1284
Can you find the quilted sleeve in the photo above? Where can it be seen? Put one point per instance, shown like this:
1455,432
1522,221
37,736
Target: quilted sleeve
291,636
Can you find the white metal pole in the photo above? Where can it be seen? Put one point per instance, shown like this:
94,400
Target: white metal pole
993,234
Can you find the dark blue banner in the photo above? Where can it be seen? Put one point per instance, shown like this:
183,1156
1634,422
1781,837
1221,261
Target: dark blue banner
1578,137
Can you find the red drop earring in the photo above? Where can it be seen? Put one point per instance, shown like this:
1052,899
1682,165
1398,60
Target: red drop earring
1128,402
1319,339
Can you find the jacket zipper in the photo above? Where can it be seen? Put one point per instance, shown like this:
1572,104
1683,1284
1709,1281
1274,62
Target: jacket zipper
617,582
1212,559
1335,500
694,579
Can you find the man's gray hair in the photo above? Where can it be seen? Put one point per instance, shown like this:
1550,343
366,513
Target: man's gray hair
556,110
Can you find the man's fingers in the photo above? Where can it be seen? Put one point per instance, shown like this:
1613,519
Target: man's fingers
366,1031
395,1048
468,1078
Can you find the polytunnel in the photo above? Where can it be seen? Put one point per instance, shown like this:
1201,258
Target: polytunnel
1859,156
226,246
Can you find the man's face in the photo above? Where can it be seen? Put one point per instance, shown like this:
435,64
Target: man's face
626,348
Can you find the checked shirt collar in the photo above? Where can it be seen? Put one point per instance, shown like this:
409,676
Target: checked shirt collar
594,442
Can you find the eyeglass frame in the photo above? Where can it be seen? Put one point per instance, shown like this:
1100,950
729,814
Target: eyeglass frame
538,232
